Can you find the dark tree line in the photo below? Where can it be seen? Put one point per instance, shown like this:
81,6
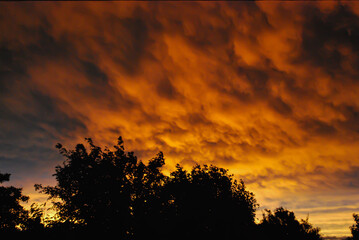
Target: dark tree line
112,192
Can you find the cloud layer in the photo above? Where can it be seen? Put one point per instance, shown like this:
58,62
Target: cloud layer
268,90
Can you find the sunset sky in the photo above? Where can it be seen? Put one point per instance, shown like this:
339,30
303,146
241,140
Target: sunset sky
268,90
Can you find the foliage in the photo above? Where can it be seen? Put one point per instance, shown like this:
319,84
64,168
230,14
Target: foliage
112,192
283,225
354,229
104,190
101,189
13,216
207,203
12,213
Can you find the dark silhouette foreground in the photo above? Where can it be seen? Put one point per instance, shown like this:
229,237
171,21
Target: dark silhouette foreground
354,229
282,224
103,191
13,216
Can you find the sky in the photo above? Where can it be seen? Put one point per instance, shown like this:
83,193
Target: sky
268,90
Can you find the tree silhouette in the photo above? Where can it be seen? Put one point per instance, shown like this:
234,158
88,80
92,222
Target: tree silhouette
112,192
283,225
354,229
207,203
12,215
104,190
33,222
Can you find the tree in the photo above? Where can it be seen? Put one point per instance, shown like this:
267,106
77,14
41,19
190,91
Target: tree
12,214
110,191
354,229
207,203
283,225
103,190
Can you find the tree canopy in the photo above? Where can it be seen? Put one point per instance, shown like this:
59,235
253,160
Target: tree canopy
13,216
283,225
354,229
112,192
11,211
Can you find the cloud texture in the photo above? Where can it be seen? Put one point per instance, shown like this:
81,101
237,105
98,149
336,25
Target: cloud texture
268,90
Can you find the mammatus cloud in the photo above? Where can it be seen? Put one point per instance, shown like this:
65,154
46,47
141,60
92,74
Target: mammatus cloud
268,90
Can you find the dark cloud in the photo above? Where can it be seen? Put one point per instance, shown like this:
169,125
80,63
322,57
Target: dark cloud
166,89
230,88
257,18
27,139
128,43
258,79
47,46
46,111
316,127
196,119
11,70
37,112
348,178
280,106
324,34
351,122
94,73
